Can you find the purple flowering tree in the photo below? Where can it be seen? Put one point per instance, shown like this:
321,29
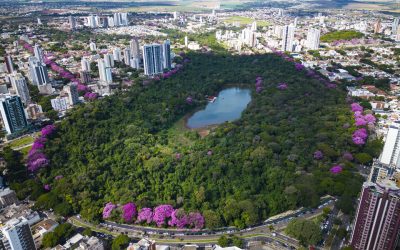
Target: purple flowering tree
128,211
336,169
318,155
282,86
108,208
145,215
356,107
196,220
179,219
161,214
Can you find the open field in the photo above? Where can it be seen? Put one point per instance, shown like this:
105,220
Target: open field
245,21
377,5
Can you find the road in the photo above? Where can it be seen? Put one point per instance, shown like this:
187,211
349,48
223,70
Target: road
206,237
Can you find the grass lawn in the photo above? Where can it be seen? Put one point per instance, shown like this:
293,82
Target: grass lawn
245,21
26,140
178,133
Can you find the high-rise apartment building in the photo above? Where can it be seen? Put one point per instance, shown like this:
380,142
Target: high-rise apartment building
38,72
72,22
135,49
109,60
105,73
85,64
166,55
92,46
313,37
377,222
92,21
38,53
18,83
127,56
9,64
377,26
72,91
117,55
18,234
12,113
85,76
287,38
152,59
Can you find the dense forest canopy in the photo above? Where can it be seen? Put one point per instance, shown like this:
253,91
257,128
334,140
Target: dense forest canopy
123,148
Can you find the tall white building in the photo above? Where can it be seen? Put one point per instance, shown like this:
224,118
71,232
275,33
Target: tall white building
249,37
18,235
120,19
395,25
166,54
92,21
72,22
18,83
127,56
85,64
72,91
109,60
104,72
38,72
287,38
92,46
254,26
313,36
38,53
135,48
391,150
175,14
117,54
59,103
152,59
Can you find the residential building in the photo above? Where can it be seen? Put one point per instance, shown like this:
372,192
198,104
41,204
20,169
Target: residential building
72,22
38,53
12,113
105,73
117,54
92,46
378,26
135,48
109,60
92,21
8,197
166,54
72,91
287,38
85,76
18,234
85,64
313,37
59,103
127,56
391,150
9,64
395,25
377,222
34,111
38,72
152,59
20,87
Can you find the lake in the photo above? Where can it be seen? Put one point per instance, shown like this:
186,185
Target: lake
228,106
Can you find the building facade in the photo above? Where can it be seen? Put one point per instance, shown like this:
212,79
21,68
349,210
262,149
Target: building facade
152,59
13,114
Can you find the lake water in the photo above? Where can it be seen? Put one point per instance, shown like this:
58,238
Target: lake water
228,107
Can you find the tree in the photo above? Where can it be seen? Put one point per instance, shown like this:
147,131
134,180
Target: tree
307,232
50,239
236,241
212,219
87,232
363,158
223,241
120,242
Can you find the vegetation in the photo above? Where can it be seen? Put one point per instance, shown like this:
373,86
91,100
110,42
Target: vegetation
224,241
341,35
119,149
307,232
120,242
58,236
245,21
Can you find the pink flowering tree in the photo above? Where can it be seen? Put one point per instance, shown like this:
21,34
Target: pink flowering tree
356,107
145,215
336,169
196,220
179,219
161,214
318,155
108,208
128,211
